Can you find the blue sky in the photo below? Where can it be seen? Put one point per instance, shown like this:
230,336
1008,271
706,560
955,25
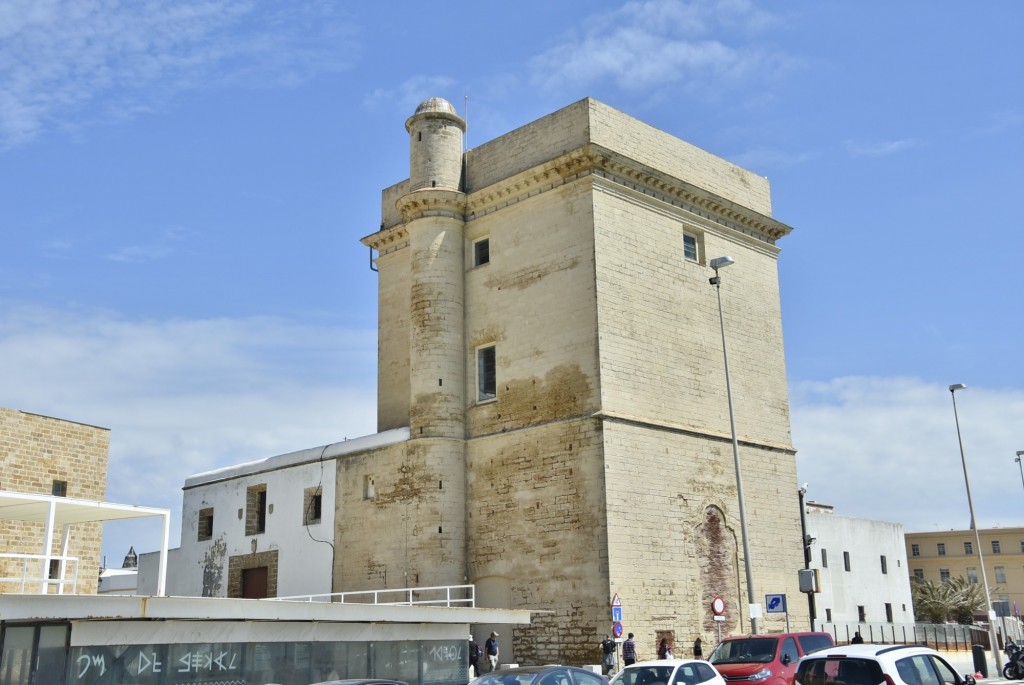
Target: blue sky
183,186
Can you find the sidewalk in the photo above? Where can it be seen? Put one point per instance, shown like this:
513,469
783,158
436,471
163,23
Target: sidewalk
963,662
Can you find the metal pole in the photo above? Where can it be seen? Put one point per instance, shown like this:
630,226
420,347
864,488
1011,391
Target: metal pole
1017,459
802,492
977,536
736,460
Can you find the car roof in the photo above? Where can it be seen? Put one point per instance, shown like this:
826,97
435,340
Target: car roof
797,634
666,662
867,650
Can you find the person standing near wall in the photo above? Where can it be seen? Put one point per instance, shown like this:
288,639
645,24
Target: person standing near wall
491,650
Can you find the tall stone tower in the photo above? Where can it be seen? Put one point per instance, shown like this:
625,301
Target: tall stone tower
549,339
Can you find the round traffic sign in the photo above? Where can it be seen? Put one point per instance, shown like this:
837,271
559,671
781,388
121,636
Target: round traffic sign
718,606
617,629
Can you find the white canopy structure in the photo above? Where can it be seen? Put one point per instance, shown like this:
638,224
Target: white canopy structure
63,512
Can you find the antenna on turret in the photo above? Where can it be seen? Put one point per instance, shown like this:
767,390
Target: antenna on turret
465,117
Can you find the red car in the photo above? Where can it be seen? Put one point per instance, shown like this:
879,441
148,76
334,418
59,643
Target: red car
765,659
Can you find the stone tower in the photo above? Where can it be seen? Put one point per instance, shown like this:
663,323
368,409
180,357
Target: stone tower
549,339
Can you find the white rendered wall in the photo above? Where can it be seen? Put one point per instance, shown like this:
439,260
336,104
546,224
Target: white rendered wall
864,584
304,565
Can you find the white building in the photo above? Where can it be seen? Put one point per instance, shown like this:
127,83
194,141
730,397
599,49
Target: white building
863,576
262,529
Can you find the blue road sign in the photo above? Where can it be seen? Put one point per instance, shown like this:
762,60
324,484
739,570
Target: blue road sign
617,614
776,604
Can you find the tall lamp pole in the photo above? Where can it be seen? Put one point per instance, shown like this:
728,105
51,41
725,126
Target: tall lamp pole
977,536
716,264
1020,454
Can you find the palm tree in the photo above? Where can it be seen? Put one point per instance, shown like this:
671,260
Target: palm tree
955,599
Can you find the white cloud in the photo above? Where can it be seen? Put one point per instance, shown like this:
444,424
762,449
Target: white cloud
654,44
162,246
882,148
182,397
886,448
64,62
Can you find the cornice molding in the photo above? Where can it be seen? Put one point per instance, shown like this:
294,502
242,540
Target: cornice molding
614,167
588,160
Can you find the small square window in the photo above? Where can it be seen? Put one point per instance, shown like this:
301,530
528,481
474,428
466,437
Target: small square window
915,550
846,560
995,547
690,247
944,575
60,488
941,547
885,565
486,374
919,573
481,252
312,506
972,575
1000,572
968,548
205,524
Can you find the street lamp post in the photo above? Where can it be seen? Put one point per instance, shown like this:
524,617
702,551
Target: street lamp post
977,536
1020,454
716,264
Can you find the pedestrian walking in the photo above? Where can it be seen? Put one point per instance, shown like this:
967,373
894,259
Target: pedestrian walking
491,650
629,650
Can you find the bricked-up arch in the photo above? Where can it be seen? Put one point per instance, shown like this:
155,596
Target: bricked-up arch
716,557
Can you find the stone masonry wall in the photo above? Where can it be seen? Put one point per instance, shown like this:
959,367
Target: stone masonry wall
661,345
536,523
35,451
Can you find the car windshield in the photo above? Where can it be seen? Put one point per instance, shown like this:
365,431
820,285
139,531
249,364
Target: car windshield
643,675
758,650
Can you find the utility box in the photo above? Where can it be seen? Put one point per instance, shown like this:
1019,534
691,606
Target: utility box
808,580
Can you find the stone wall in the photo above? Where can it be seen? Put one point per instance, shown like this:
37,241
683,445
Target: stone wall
35,451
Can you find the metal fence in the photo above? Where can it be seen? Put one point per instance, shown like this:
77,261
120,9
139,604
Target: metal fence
941,636
440,595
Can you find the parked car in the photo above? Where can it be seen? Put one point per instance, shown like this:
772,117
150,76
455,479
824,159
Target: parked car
540,675
765,659
362,681
668,672
873,664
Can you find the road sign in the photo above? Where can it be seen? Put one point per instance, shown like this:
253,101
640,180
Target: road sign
617,629
617,614
616,602
776,604
718,606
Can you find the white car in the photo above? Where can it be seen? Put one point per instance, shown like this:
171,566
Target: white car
668,672
877,664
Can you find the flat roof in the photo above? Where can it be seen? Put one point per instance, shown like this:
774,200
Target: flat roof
20,506
26,607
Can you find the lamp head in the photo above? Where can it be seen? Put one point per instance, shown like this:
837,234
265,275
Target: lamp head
957,386
721,262
1020,453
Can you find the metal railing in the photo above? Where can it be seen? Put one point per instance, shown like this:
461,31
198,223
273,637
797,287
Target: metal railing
946,637
26,580
438,595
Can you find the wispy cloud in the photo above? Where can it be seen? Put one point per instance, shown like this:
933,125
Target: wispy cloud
63,63
886,448
410,93
882,148
185,396
654,44
162,246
